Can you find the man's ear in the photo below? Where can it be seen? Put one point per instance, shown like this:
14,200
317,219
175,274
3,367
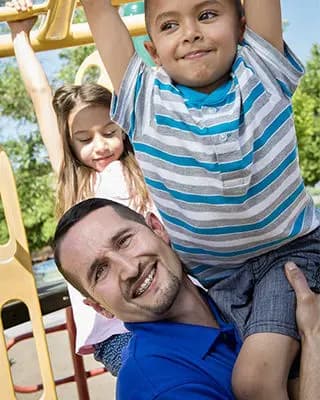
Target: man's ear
150,47
98,308
156,225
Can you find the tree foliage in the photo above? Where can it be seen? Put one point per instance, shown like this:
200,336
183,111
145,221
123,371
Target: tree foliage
306,103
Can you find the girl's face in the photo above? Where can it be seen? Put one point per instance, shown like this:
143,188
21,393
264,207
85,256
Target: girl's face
95,139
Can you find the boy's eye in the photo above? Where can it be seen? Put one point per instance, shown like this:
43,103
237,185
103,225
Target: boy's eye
167,26
207,15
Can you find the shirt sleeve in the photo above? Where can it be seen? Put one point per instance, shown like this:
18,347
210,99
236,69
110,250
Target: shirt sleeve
128,107
266,60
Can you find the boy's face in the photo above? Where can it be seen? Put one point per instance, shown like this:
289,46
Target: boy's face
195,41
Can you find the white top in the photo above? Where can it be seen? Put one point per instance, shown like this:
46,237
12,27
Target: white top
92,327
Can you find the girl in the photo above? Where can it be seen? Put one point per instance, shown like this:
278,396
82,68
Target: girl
91,157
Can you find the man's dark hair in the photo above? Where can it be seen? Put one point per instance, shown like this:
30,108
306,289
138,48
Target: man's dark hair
76,214
237,3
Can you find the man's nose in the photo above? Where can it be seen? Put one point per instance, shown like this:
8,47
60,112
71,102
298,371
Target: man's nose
128,267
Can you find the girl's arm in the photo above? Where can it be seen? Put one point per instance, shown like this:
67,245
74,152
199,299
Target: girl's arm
37,86
264,18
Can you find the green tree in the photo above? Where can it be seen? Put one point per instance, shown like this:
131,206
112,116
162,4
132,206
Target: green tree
306,103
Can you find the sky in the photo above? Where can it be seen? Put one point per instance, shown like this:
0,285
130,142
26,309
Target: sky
304,28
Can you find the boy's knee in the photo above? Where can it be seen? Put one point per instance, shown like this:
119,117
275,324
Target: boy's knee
250,384
245,385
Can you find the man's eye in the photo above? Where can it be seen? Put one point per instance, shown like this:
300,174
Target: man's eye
99,272
124,241
167,26
207,15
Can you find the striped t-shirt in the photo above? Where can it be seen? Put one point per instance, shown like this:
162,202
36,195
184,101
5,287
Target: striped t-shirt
222,168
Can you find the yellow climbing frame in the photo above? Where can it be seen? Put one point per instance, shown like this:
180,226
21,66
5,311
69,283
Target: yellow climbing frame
57,29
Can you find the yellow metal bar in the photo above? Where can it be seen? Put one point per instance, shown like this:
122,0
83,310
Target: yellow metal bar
17,283
9,14
58,19
79,35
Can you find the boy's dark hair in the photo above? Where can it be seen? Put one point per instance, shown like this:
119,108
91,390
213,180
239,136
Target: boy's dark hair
76,214
237,3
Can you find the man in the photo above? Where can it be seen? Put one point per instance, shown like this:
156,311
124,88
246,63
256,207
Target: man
127,268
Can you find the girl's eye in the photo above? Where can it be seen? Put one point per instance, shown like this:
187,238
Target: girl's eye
207,15
84,140
109,133
167,26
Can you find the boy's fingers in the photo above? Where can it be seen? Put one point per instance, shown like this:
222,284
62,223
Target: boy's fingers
297,279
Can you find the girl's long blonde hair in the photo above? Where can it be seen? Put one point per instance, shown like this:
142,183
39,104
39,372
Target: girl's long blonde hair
75,180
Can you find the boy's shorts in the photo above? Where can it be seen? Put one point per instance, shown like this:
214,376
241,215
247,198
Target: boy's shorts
258,298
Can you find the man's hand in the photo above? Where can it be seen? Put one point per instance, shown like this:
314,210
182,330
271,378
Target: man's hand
308,303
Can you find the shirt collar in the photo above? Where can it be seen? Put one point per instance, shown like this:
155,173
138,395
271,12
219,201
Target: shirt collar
195,98
193,338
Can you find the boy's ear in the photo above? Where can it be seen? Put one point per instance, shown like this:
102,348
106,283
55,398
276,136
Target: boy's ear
150,47
242,28
98,308
156,225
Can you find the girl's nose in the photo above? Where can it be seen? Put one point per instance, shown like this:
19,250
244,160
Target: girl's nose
100,144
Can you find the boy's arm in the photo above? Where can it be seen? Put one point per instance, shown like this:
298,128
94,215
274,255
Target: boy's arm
308,321
111,36
264,18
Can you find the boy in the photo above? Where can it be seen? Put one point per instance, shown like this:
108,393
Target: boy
213,131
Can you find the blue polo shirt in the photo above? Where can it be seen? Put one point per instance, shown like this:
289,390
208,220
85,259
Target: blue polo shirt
167,360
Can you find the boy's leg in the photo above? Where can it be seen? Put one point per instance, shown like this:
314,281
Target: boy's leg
262,368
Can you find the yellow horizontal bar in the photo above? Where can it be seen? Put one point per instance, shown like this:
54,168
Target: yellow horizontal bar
79,34
9,14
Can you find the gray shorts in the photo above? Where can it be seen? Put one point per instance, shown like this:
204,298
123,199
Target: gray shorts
258,298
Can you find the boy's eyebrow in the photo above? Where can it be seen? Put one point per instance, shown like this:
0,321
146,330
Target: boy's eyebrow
100,260
170,14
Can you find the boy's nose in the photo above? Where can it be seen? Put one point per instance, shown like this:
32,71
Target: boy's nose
191,32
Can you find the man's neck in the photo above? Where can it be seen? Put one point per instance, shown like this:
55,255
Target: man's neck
191,306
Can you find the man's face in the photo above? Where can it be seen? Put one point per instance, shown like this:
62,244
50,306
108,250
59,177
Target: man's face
124,266
194,40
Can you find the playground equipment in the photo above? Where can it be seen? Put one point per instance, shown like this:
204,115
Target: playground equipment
57,29
17,283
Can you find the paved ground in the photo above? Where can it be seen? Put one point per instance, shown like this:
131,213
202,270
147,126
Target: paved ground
25,369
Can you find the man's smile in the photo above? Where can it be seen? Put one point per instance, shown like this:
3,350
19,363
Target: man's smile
144,282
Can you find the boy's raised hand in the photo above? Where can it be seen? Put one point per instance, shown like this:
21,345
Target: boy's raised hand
111,36
264,18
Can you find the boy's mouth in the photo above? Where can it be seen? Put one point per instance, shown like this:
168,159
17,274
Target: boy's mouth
195,54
